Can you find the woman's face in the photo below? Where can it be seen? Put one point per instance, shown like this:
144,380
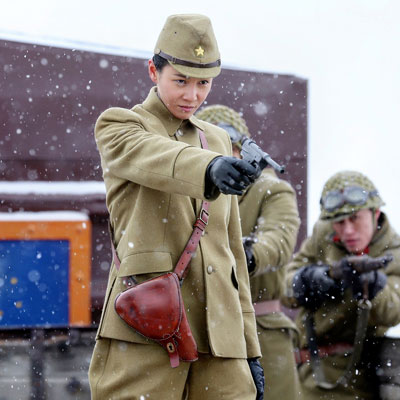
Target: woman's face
182,95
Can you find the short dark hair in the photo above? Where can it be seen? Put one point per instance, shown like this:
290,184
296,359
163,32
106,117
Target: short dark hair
159,62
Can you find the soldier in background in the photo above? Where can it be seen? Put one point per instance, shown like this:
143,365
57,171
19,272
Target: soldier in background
343,310
270,222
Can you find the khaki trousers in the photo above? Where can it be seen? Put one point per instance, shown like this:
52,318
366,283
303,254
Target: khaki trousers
131,371
280,369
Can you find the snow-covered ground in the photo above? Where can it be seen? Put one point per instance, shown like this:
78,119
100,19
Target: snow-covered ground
347,49
394,332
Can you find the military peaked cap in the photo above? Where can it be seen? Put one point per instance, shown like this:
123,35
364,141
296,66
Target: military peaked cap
188,42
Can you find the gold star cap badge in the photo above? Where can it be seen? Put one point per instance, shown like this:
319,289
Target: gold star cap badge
199,51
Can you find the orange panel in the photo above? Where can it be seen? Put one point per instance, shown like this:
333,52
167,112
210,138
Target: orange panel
78,233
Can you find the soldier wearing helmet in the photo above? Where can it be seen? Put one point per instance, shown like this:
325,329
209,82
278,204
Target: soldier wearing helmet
347,192
342,315
158,179
270,221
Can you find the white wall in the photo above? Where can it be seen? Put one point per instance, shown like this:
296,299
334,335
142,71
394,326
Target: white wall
347,49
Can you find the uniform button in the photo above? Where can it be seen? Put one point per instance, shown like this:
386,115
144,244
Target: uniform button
210,269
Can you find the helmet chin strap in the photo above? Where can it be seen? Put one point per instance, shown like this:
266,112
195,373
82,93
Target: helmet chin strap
374,219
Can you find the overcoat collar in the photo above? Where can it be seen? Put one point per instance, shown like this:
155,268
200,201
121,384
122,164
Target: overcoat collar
155,106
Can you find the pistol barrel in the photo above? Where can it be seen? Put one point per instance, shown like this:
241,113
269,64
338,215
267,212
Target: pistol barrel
277,167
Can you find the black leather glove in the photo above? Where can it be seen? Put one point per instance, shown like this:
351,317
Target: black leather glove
376,281
230,175
257,373
248,251
251,262
344,274
312,286
349,274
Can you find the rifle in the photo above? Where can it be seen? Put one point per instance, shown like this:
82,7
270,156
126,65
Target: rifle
358,265
352,270
254,155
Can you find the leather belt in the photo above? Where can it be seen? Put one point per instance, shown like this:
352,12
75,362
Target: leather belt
267,307
302,356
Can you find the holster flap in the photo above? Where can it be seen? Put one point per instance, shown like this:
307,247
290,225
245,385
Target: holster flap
153,308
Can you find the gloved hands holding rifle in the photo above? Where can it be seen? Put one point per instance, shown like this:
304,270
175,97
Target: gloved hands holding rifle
314,284
230,175
362,274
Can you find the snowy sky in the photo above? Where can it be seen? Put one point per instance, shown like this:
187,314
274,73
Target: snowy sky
347,49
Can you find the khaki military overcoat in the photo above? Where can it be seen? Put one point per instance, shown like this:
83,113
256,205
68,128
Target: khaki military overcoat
335,321
154,172
269,214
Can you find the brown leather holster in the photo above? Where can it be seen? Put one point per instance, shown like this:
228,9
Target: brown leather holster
155,310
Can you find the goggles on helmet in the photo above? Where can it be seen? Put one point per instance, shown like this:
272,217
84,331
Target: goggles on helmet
353,195
235,136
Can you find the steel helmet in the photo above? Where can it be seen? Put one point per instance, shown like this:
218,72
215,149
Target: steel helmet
226,118
347,192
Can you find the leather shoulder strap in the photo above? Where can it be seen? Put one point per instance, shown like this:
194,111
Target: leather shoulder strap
181,268
182,265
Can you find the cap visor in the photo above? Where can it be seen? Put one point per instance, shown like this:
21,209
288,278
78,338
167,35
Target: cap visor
193,72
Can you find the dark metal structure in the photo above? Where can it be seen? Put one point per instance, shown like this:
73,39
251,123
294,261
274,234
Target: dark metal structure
50,98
